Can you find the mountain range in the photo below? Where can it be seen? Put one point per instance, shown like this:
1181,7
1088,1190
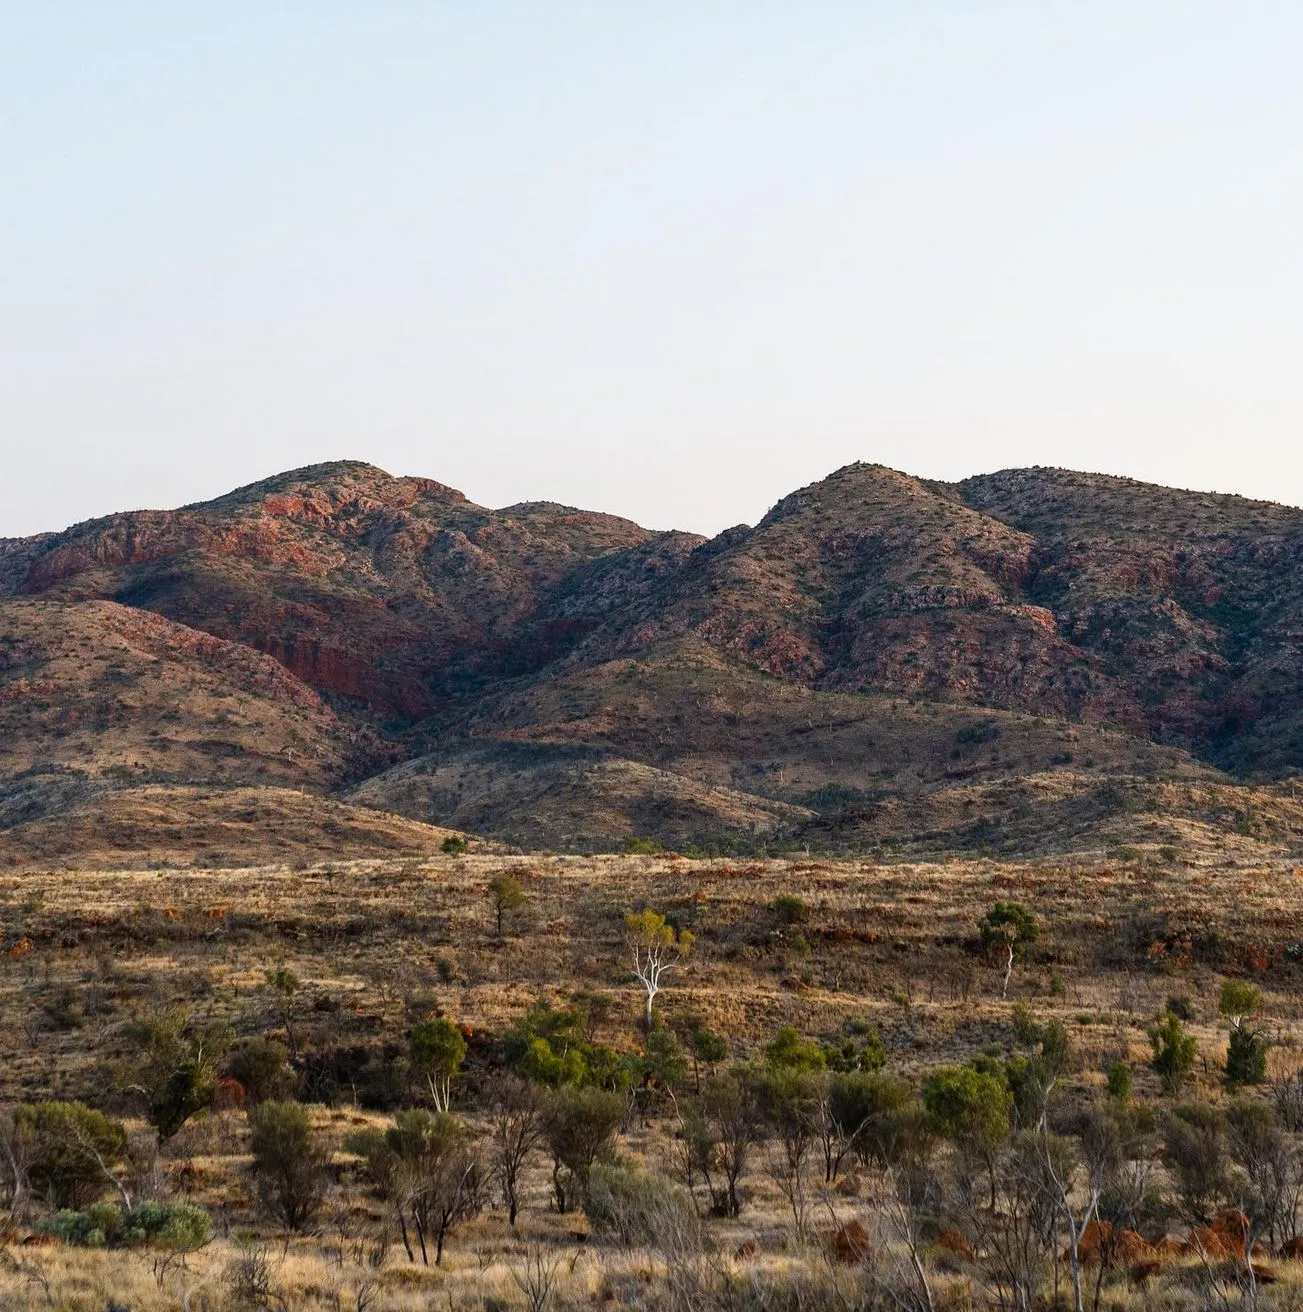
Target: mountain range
337,660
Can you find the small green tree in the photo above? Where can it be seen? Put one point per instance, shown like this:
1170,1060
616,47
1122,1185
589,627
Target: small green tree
1239,1001
720,1130
454,845
288,1162
1268,1158
1008,929
664,1063
793,1100
706,1048
178,1061
579,1126
70,1150
970,1106
790,1052
1032,1078
261,1067
506,893
437,1051
1119,1081
285,986
862,1112
1246,1058
1246,1053
657,949
1175,1051
1194,1151
516,1131
974,1109
435,1176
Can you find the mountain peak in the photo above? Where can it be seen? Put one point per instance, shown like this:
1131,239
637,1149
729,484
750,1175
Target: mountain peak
339,482
1084,604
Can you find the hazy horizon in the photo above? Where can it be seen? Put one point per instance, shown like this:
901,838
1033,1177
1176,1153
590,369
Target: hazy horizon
670,262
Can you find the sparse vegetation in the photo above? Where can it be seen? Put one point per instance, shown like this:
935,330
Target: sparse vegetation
506,894
894,1105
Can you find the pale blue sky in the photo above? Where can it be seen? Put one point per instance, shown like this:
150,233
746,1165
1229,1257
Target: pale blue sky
668,259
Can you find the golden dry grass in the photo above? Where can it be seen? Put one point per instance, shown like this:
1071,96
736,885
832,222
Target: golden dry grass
380,941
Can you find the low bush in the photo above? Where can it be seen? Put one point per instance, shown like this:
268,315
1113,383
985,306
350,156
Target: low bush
636,1207
176,1225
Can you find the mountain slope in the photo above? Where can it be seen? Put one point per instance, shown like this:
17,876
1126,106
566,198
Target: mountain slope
878,651
370,588
870,580
101,688
1193,601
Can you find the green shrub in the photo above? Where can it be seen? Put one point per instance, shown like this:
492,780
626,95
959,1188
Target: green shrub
664,1063
790,1052
861,1104
634,1206
100,1225
641,845
579,1127
790,909
177,1066
454,845
1175,1051
1031,1077
1181,1007
705,1047
1026,1028
970,1106
177,1225
1194,1152
1119,1081
428,1165
548,1046
288,1163
69,1149
847,1056
1246,1058
261,1067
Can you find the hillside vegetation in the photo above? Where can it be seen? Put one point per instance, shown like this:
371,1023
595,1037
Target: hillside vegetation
989,665
406,1082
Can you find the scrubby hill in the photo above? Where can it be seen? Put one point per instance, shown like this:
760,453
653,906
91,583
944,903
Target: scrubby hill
369,588
876,652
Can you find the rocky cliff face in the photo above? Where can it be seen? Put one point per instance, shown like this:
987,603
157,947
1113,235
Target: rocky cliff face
384,616
370,588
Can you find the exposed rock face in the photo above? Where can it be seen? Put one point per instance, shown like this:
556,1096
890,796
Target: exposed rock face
355,619
372,588
16,556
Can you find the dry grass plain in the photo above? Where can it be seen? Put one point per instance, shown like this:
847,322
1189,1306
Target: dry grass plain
379,943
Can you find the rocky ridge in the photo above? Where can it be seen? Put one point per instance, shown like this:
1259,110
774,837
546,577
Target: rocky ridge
562,677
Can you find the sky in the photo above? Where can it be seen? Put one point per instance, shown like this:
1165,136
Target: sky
668,260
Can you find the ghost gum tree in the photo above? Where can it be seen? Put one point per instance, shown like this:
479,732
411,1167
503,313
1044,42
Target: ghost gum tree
1007,930
657,948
